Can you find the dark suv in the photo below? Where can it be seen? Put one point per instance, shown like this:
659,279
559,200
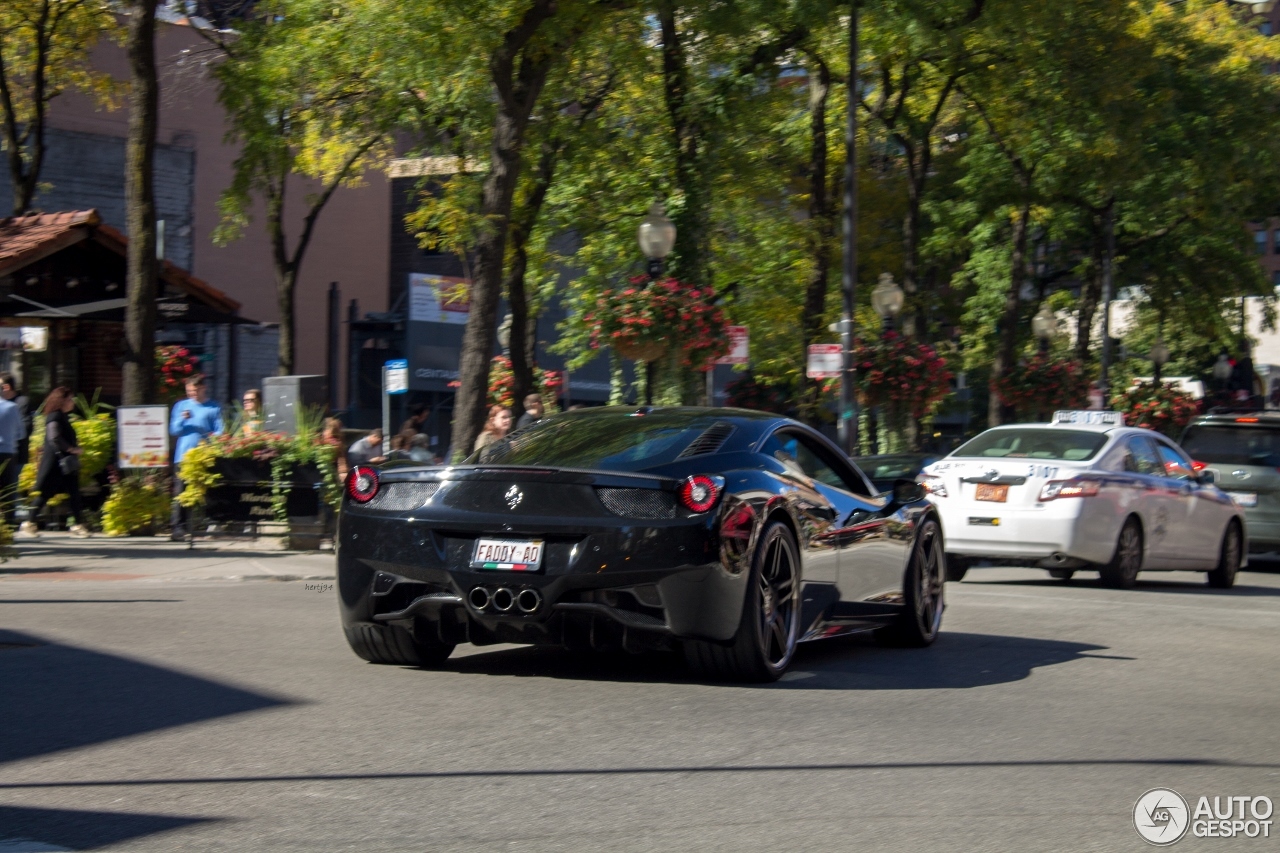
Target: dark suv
1243,449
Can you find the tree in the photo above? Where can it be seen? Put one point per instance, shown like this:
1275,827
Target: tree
142,266
44,51
300,92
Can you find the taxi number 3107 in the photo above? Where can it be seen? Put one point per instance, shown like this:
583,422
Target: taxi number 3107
1048,472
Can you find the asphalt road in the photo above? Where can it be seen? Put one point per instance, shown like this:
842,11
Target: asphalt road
225,715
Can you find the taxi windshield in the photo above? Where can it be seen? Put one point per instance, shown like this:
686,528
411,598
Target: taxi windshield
1038,443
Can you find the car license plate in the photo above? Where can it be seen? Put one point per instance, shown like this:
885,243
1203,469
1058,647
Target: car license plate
1244,498
510,555
989,492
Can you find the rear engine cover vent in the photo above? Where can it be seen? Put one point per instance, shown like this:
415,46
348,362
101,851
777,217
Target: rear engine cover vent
711,440
401,497
638,503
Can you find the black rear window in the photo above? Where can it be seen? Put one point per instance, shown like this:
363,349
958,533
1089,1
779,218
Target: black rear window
1233,445
618,440
1034,443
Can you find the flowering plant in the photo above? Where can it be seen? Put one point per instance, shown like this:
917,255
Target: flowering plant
1041,384
174,365
502,383
902,374
645,319
1157,406
283,452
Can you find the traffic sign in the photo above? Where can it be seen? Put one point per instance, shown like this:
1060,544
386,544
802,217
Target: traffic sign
739,346
396,376
826,361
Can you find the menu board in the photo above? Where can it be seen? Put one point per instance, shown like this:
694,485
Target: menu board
142,436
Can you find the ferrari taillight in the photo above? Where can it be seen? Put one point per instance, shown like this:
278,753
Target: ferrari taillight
699,493
362,484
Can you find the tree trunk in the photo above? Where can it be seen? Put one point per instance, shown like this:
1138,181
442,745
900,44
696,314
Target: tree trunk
523,342
1090,294
688,260
517,81
141,277
821,216
24,168
1007,351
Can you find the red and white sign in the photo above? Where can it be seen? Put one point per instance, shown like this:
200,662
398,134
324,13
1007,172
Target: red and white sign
142,436
826,361
739,346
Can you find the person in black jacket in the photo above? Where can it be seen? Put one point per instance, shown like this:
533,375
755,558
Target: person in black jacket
56,475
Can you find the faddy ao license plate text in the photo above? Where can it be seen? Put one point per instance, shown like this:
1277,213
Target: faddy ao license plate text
507,555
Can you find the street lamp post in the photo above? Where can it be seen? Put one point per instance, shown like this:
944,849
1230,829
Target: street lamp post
1222,372
1043,325
1159,357
886,300
656,236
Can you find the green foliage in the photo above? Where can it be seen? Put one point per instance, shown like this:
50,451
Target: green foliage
138,504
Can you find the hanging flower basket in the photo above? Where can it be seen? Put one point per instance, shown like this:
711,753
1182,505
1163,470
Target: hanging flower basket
640,350
1041,384
643,321
502,383
907,376
1160,407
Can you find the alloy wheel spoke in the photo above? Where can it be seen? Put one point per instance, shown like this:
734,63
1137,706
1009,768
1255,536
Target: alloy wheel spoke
780,635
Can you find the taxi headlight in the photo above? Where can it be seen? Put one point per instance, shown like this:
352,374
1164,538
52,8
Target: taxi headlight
935,486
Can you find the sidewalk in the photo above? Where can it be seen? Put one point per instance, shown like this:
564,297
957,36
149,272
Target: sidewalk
62,557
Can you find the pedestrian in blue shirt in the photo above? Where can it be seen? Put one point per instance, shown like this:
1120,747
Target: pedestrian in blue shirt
192,421
11,435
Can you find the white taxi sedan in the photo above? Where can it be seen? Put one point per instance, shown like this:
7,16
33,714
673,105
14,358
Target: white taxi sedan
1084,492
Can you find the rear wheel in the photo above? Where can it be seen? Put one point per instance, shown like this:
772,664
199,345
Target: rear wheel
957,567
395,645
1126,562
921,616
765,643
1062,574
1224,575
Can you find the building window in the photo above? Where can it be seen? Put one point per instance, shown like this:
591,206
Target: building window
1260,241
1275,280
1265,28
1275,242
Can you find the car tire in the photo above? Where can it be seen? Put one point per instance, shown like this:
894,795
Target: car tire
924,599
1064,575
1223,576
1122,571
957,567
769,628
392,644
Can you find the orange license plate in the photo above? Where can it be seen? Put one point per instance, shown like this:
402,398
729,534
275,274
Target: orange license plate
988,492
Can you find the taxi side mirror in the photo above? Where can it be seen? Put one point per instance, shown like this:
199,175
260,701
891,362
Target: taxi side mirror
1207,477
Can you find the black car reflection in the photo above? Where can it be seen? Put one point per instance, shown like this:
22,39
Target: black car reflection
886,469
730,533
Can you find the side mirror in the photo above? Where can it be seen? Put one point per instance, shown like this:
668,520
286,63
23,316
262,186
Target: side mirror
1207,477
907,491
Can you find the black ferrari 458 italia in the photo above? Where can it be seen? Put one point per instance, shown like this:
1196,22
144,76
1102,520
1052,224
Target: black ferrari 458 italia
729,533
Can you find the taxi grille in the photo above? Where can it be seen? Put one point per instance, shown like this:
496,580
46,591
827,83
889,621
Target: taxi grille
400,497
638,503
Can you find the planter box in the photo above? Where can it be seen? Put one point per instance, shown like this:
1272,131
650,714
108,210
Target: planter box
244,492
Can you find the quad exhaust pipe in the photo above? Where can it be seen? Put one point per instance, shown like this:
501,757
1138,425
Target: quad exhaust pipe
504,600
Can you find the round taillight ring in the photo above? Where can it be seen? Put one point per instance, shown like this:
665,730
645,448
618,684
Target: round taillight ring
362,484
699,493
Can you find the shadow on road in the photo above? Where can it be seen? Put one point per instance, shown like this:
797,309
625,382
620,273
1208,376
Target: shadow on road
64,829
956,660
57,697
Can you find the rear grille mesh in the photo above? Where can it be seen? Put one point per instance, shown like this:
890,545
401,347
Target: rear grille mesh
399,497
711,440
638,503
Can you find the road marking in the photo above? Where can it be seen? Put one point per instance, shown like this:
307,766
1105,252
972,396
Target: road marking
1099,603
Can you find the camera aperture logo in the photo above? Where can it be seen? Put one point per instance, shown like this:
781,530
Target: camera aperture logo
1160,816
